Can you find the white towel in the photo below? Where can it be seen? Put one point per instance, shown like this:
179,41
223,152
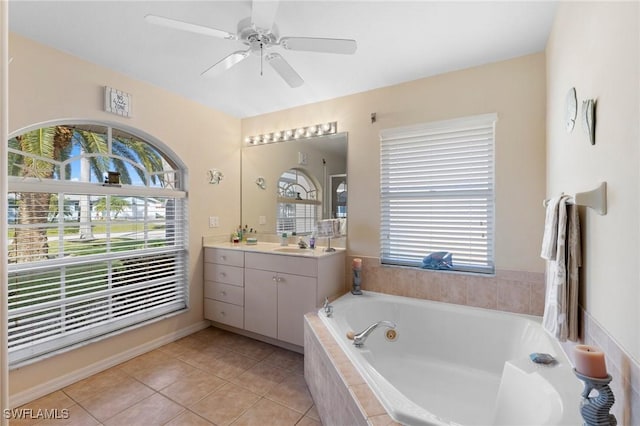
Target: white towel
560,317
550,237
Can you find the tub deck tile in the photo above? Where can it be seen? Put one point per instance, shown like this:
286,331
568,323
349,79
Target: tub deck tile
382,420
366,401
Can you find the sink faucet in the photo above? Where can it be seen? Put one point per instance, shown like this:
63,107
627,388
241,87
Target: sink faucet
358,339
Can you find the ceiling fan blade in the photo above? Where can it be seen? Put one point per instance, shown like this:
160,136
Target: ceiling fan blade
263,13
226,63
186,26
325,45
285,70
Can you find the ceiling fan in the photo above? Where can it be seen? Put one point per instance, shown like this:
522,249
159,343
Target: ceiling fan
260,34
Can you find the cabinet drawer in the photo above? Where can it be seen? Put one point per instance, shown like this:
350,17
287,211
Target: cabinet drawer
296,265
224,257
225,313
224,274
224,292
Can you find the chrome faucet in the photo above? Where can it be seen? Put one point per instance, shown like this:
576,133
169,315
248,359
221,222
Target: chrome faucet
358,339
328,309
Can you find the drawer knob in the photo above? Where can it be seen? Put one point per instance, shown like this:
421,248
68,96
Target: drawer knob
223,274
223,257
223,313
224,293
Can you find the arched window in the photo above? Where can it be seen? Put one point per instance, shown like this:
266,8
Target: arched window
298,203
97,236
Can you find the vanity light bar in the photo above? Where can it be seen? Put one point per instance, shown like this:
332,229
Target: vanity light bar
294,134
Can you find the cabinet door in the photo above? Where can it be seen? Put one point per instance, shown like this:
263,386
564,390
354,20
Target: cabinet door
261,302
296,297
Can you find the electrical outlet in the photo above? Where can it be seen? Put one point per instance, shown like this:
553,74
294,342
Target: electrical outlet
214,221
262,220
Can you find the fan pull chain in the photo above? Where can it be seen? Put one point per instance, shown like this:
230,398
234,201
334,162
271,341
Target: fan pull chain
261,59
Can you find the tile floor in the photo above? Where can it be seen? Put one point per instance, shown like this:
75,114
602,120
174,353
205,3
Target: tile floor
212,377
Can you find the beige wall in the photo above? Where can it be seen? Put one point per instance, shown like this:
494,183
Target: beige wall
46,84
594,47
515,89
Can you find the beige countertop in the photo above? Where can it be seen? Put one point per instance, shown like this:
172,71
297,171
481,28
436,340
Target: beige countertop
273,248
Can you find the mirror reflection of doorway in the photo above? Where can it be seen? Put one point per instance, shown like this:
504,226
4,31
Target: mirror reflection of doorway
338,199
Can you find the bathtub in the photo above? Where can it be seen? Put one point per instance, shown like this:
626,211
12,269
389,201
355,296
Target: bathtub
456,365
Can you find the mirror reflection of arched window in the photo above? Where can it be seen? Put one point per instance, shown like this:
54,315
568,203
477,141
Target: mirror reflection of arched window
298,203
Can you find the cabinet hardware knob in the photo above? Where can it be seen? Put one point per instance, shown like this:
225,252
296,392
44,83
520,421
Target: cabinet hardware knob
224,293
223,313
223,257
223,274
275,278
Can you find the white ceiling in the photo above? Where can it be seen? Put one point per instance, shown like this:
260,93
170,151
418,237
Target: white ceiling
397,41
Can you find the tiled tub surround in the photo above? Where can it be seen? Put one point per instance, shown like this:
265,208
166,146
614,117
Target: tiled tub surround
624,370
510,291
450,357
340,393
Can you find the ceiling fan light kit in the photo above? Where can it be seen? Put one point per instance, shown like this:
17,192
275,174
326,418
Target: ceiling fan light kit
260,34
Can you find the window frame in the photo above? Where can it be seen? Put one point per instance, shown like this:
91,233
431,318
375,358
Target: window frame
299,205
436,192
176,190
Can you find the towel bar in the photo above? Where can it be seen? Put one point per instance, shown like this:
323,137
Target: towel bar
595,199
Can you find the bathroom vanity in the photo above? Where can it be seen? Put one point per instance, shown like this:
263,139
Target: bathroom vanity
265,289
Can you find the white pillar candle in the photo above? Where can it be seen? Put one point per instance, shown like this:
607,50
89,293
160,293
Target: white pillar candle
589,361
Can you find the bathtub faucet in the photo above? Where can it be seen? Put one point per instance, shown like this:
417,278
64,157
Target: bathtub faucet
328,309
358,339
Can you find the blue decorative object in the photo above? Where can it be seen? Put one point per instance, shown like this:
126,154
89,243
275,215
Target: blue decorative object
542,358
355,289
439,260
595,410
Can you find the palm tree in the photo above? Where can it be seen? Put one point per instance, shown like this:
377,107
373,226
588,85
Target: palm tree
115,205
32,158
30,243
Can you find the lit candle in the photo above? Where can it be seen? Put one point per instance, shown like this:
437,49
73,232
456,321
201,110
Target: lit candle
589,361
357,263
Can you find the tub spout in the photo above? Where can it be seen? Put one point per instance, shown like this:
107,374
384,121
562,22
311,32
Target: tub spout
328,309
359,339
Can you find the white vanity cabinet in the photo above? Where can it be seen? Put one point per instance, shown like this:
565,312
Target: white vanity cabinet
276,300
266,293
224,286
280,289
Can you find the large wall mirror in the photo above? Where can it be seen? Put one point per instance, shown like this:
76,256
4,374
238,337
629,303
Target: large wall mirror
288,186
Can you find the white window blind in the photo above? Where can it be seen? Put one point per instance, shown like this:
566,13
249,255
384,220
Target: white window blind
437,193
87,260
297,203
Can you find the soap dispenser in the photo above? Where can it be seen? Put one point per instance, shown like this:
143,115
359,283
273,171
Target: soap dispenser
283,239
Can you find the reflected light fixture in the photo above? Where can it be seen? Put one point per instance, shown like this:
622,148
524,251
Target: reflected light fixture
297,133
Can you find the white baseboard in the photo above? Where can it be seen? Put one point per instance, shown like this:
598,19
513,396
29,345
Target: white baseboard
58,383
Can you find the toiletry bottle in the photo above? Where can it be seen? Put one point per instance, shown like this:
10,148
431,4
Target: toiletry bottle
283,239
312,241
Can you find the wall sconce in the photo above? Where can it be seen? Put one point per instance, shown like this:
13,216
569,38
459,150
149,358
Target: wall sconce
293,134
215,176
